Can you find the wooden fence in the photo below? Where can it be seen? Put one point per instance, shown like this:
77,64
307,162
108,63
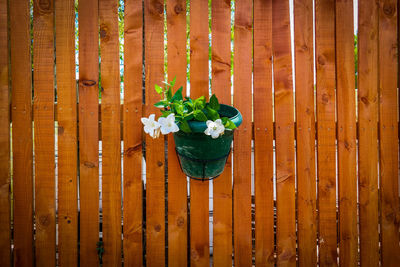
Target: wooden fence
323,148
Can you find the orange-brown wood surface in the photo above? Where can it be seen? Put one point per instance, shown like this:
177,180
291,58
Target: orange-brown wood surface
88,131
221,86
111,143
284,116
132,131
368,132
388,131
21,79
326,134
67,133
242,145
199,236
5,189
305,129
43,84
346,139
155,178
177,184
263,134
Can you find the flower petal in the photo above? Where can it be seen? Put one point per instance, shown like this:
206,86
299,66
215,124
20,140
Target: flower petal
214,135
144,120
208,123
151,117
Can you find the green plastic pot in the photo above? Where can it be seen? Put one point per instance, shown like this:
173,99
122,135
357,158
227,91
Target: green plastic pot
202,157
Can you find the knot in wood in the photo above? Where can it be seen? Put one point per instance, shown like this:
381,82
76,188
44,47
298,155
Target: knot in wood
44,220
159,163
104,36
159,8
178,9
180,221
89,164
157,228
87,83
45,6
389,9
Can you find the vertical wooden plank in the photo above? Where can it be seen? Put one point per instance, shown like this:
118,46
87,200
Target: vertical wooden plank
388,130
346,115
5,229
242,145
305,128
155,188
263,134
284,119
67,133
221,86
177,184
368,131
326,134
21,79
88,131
110,128
199,210
43,102
133,186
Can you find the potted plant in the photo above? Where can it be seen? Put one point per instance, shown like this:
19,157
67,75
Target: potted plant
203,131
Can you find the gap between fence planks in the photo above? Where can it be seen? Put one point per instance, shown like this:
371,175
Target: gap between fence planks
242,145
22,147
326,130
5,181
368,101
305,142
199,210
132,135
155,158
177,184
88,131
111,143
221,86
346,134
285,152
389,144
263,135
67,133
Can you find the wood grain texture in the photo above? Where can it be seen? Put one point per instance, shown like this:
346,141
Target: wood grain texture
346,139
199,210
43,83
242,145
5,177
388,131
22,144
284,117
155,178
67,133
326,134
132,131
305,129
177,183
263,134
88,131
221,86
368,132
111,142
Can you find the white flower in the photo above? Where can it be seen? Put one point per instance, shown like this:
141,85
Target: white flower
168,124
151,126
214,128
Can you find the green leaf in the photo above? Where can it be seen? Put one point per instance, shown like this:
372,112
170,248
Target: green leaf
178,108
214,103
200,103
159,89
165,113
184,126
161,104
199,115
169,94
173,81
230,125
224,120
212,114
177,95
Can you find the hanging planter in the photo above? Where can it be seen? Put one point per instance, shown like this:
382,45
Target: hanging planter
201,156
203,131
